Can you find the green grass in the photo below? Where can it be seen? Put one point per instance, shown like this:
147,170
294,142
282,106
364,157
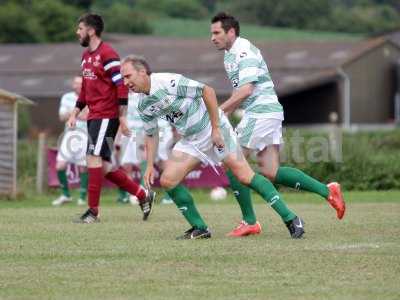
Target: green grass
169,27
44,255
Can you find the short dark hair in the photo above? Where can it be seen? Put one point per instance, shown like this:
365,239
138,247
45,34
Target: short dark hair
227,22
138,62
93,20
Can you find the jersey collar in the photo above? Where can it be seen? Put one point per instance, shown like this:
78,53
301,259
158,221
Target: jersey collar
153,88
235,45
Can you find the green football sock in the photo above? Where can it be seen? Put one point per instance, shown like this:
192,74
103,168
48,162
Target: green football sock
62,178
243,197
143,166
122,194
297,179
184,201
266,189
83,185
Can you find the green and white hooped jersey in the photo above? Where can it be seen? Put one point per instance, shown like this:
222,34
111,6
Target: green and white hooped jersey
67,105
245,64
176,99
132,115
135,122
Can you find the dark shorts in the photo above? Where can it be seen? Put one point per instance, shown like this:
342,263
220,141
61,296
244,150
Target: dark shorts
101,137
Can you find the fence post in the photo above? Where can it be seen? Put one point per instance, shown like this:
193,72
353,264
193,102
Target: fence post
335,137
40,167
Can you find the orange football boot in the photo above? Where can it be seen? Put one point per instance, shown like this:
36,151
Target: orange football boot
244,229
335,199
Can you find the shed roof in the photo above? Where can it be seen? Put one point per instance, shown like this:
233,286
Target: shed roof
14,97
44,70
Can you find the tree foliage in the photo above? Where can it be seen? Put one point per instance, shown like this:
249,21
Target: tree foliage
354,16
37,21
33,21
122,18
17,26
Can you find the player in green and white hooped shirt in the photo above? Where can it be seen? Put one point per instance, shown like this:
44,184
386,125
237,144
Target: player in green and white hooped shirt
132,148
260,130
72,148
207,136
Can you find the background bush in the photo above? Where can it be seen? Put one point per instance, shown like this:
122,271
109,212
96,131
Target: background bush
35,21
352,16
370,160
185,9
122,18
18,25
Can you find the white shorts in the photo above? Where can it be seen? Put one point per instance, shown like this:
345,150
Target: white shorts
166,139
201,147
72,147
132,148
257,134
133,151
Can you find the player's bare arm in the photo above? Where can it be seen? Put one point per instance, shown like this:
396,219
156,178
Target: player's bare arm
237,97
71,123
150,143
83,115
123,123
210,100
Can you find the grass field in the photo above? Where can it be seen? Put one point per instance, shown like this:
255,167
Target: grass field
44,256
201,29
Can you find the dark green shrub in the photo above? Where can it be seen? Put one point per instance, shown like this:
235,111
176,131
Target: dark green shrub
18,25
122,18
57,20
185,9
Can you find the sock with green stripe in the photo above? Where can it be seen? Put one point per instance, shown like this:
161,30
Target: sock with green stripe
243,197
185,203
297,179
266,189
62,178
83,185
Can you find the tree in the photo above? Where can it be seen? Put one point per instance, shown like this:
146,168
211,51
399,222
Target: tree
122,18
18,25
58,21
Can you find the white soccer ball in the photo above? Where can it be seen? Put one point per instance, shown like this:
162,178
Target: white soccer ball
133,200
238,113
218,193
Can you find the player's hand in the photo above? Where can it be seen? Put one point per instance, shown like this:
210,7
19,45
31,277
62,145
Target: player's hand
217,139
71,123
83,115
123,126
149,177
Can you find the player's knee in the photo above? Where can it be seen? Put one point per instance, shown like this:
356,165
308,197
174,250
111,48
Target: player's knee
60,166
268,173
243,178
167,182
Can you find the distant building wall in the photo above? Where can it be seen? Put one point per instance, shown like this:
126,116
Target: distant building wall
311,106
44,116
373,85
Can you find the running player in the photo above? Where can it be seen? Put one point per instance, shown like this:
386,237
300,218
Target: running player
207,136
260,129
133,150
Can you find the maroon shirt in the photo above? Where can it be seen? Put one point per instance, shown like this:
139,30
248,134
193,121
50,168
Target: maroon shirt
102,85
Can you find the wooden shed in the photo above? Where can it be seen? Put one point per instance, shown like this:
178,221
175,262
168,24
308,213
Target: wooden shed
8,140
